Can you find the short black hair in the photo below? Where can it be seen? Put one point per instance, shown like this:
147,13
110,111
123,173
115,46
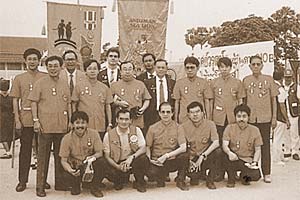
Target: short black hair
165,104
69,51
30,51
160,60
4,85
148,54
60,60
113,49
123,111
126,62
225,60
191,60
87,63
255,56
79,115
242,108
194,104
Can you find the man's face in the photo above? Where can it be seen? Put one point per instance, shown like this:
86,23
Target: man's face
191,70
195,114
166,113
92,71
127,71
242,119
32,62
148,62
53,68
80,126
112,59
124,120
161,69
288,80
224,70
70,61
256,66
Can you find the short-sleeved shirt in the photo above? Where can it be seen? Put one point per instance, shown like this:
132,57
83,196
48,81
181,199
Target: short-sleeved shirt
187,91
199,137
243,141
76,147
92,99
227,94
21,87
53,99
125,146
134,92
162,138
259,92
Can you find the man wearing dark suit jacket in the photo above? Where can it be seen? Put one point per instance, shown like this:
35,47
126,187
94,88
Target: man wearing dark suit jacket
111,74
160,86
148,60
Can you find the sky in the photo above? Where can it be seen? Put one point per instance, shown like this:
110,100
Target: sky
27,17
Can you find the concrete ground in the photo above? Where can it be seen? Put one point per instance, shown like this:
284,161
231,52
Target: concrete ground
285,185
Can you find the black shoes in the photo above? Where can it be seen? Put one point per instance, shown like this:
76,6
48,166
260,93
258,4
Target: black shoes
47,186
118,186
21,187
161,184
139,187
181,185
296,157
211,185
194,181
40,192
75,190
96,192
230,184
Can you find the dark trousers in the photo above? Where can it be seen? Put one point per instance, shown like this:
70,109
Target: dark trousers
44,148
138,169
208,164
180,164
25,153
99,173
239,165
220,153
265,129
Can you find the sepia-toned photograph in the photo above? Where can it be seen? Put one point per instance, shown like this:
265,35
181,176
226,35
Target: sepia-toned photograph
150,99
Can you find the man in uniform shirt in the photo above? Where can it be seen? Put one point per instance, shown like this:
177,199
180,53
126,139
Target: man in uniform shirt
261,92
228,93
131,94
21,87
94,98
166,149
78,148
111,73
124,149
161,90
51,110
242,144
202,138
189,89
149,64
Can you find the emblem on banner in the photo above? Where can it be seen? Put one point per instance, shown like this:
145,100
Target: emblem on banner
90,20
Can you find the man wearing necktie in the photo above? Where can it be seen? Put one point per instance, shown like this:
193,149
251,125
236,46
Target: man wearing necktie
148,61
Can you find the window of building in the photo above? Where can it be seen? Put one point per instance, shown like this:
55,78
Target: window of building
14,66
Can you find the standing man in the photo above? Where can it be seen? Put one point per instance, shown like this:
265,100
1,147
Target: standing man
21,87
131,94
189,89
94,98
111,74
124,149
166,149
51,111
261,92
161,90
242,143
202,138
227,94
149,63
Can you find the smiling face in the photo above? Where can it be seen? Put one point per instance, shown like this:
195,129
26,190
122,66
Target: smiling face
112,59
166,113
161,69
92,71
148,62
80,126
224,70
242,119
53,68
70,61
32,62
127,71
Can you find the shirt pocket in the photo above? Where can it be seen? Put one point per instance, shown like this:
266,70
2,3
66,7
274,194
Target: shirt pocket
101,98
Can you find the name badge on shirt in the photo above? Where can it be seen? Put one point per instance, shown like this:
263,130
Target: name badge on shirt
89,142
220,91
186,90
204,140
54,92
238,144
133,139
219,108
122,91
30,87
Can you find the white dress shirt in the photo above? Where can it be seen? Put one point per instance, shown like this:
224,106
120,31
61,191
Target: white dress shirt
165,86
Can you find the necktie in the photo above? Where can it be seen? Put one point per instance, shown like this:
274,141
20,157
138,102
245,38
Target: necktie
71,84
112,77
161,92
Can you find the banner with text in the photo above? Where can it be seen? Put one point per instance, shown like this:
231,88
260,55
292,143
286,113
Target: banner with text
240,57
142,28
76,27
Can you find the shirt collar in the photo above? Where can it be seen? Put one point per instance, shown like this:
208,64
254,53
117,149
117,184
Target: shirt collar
68,73
120,133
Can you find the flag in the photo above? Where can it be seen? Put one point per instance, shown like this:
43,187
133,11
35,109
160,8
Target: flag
142,28
75,27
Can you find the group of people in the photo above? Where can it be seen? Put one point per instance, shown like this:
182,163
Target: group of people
113,123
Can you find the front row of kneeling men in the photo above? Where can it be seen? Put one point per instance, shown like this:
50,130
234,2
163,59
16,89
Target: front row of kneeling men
189,148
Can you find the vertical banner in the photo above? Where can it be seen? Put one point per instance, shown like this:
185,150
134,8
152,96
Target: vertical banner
76,27
142,28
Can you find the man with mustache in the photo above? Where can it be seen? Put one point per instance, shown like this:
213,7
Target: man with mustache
242,143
